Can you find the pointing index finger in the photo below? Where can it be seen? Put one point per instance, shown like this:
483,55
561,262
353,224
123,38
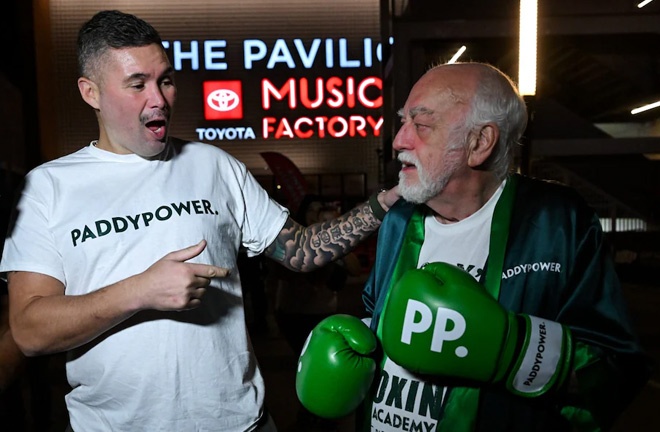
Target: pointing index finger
210,271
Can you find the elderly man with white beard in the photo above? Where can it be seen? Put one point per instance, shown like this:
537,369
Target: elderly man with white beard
492,304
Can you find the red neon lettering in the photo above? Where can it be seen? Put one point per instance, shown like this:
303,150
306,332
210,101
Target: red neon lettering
304,93
299,132
331,127
375,124
350,92
267,88
284,129
332,85
336,96
321,122
361,124
320,126
371,81
266,123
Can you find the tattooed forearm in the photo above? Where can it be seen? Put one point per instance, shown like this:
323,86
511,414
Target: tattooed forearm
305,249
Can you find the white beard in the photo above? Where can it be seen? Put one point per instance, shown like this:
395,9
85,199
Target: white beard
419,192
427,187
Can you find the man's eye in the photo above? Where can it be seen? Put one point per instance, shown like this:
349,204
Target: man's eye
419,126
139,86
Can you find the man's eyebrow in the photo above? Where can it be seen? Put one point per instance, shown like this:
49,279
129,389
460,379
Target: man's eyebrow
168,72
136,76
142,76
415,111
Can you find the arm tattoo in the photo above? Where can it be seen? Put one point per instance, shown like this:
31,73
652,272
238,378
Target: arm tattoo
305,249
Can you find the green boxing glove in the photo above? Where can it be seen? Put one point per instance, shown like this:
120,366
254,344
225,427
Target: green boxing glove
439,320
335,370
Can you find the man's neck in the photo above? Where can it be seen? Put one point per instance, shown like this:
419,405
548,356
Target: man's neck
463,198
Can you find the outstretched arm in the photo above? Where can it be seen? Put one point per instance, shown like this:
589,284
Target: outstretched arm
304,249
44,320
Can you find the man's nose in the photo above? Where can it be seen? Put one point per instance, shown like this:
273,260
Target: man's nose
156,97
402,139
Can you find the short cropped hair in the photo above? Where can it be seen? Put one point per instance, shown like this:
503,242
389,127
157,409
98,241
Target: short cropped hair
111,29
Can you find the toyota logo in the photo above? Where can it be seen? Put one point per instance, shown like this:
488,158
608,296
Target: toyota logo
222,100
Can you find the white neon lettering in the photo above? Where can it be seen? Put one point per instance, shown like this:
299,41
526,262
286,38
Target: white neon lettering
192,55
210,54
307,58
368,61
329,54
281,54
249,55
344,62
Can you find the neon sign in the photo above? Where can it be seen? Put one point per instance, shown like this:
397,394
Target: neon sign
294,107
256,51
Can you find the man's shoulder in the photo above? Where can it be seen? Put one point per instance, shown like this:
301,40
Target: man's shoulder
548,192
539,198
398,215
197,149
62,162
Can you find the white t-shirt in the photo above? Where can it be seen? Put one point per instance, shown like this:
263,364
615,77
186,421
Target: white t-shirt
464,243
93,218
402,400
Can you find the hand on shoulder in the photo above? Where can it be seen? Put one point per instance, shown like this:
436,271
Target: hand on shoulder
387,198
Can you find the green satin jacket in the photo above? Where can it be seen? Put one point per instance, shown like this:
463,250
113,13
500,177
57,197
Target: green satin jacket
549,223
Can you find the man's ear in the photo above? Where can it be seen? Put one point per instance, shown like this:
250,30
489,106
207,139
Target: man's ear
89,91
482,144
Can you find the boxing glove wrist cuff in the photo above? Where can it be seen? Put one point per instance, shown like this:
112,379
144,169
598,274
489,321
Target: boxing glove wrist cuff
545,359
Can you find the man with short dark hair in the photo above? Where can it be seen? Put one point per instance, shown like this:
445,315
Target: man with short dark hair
122,254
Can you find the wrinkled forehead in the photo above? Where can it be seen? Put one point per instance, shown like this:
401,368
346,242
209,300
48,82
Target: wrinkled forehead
440,90
435,102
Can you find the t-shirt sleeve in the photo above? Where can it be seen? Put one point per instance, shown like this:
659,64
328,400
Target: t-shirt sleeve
264,217
29,245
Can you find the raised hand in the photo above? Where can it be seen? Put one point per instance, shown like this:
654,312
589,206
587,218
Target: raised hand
389,197
336,367
438,320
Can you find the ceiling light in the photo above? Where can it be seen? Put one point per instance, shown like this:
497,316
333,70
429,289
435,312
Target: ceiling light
645,107
460,51
527,47
644,3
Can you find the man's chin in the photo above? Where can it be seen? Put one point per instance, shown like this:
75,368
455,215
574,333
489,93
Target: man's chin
413,199
154,149
411,193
